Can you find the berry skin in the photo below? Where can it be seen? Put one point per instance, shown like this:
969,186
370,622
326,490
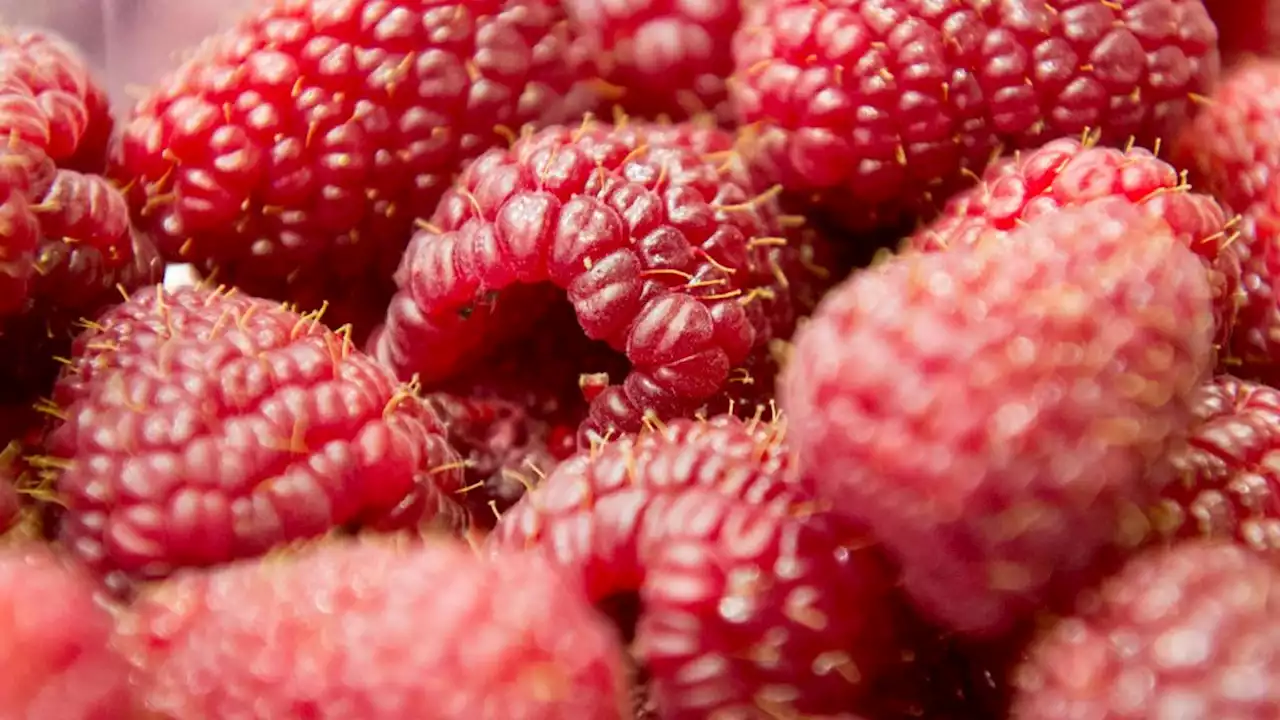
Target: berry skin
1225,486
666,253
664,57
374,631
56,653
881,108
1246,30
200,427
1065,173
1188,632
1232,146
752,600
293,151
990,412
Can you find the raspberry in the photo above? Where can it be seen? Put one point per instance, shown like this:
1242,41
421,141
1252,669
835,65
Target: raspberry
990,412
293,151
1254,352
1232,147
880,108
49,99
505,449
1189,632
56,656
751,600
1225,486
1066,172
666,254
663,57
376,632
1246,29
201,426
19,227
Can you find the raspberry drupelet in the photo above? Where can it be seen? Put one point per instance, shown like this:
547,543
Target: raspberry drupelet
198,426
375,631
294,151
991,412
1067,173
878,109
667,254
752,599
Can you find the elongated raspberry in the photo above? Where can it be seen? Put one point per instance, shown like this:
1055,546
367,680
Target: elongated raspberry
49,99
295,150
663,57
666,254
880,108
56,656
1189,632
990,412
1067,173
1232,147
377,632
201,427
1225,487
749,602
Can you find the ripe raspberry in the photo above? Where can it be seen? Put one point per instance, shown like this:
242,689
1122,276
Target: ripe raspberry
200,427
1226,487
49,99
1065,173
1232,147
19,227
377,632
300,144
751,600
990,412
880,108
56,658
666,255
1189,632
663,57
1254,352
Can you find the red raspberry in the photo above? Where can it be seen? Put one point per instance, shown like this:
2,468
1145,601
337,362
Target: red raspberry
663,57
293,151
200,427
1246,29
751,600
1232,147
666,254
19,227
1189,632
56,656
1254,352
1226,486
1064,173
375,632
48,98
880,108
990,412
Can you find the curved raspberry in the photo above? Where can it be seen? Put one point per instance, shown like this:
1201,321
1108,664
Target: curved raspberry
57,660
376,632
751,600
990,412
48,98
1191,631
880,108
1066,173
300,144
666,255
663,57
1225,487
201,426
1232,146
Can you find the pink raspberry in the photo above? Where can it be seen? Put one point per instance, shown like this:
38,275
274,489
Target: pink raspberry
881,108
990,413
751,600
295,151
376,632
201,426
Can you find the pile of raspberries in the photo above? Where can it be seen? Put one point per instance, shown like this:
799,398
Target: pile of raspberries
584,360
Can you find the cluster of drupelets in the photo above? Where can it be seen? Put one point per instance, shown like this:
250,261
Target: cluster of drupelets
857,359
